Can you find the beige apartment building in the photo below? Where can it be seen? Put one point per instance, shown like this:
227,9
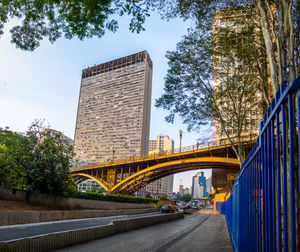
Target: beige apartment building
227,68
243,28
113,116
163,186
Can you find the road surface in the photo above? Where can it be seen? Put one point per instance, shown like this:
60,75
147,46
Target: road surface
13,232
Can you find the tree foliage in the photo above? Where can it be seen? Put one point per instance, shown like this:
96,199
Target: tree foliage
186,197
69,18
98,190
36,161
11,174
230,60
163,197
271,55
278,19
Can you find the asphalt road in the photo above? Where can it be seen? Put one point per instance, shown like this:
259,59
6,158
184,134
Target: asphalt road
14,232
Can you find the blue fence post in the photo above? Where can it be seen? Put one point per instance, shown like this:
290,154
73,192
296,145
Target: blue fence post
279,231
298,120
284,178
292,172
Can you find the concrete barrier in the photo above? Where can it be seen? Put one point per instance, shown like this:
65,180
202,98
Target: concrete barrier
13,218
65,203
59,240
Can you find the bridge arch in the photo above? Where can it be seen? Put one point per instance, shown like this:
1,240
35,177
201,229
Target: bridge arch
93,178
152,173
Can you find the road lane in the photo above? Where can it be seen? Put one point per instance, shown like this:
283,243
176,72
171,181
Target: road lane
14,232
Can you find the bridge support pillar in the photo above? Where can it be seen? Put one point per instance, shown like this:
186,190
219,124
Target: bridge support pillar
220,181
111,177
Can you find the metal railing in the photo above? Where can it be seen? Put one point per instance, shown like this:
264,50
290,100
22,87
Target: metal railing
197,146
261,211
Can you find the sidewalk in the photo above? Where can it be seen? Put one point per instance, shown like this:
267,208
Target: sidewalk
202,231
212,235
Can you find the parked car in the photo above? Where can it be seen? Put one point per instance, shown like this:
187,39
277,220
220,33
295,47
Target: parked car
195,207
184,210
167,209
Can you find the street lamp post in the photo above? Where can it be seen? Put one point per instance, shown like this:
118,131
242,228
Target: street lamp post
113,153
180,137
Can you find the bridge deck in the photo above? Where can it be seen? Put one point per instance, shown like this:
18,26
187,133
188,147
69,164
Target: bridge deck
128,175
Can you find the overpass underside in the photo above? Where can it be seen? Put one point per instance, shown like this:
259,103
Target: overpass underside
128,176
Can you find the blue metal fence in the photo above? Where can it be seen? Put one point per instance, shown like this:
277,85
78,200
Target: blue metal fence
261,211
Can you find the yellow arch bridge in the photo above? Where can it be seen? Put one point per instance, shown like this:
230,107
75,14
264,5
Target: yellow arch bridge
126,176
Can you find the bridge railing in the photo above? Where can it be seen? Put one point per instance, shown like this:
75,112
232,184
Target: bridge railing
262,212
195,147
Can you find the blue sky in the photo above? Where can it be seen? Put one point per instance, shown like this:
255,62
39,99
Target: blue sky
45,83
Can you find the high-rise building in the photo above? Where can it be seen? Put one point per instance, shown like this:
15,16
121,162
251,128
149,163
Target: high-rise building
240,72
230,69
199,186
164,185
113,116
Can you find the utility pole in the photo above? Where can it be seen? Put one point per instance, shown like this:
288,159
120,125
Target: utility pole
180,137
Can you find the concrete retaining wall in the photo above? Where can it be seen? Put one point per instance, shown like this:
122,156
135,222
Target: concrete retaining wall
12,218
65,203
69,238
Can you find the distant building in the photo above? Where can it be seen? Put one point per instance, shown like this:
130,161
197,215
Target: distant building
88,185
208,185
163,186
185,191
180,189
53,132
199,186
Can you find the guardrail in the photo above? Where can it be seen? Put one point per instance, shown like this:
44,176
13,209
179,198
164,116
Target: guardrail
261,211
210,144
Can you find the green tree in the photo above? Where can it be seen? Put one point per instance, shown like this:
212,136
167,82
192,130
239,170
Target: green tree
188,88
53,19
186,197
37,162
230,60
97,190
11,173
163,197
279,21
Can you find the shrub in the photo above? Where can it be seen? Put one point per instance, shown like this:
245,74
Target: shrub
111,197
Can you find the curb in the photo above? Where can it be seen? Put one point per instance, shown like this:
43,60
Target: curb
14,218
64,239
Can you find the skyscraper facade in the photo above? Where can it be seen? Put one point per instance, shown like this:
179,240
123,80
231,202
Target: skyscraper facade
163,186
113,116
231,69
240,80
